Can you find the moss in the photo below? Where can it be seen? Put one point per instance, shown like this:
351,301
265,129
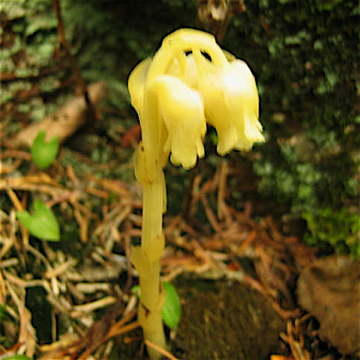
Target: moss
340,229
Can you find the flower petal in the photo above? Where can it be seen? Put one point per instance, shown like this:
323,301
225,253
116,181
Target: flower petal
182,111
231,103
136,84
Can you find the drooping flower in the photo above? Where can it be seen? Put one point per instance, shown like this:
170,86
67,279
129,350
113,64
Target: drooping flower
182,112
191,81
136,85
231,103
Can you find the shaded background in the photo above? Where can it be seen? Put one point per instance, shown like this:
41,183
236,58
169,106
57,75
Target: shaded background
304,55
299,187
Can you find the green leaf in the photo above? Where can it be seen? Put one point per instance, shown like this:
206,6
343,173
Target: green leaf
171,311
17,357
3,312
42,223
136,291
42,152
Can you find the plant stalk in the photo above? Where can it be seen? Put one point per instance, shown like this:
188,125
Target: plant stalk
146,259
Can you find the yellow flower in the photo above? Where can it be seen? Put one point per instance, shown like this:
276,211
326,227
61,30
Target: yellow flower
182,111
231,103
189,81
136,85
180,89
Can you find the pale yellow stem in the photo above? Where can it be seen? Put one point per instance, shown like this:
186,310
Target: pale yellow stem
160,113
150,160
146,259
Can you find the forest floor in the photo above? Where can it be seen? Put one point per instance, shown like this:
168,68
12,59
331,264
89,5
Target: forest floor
244,285
249,288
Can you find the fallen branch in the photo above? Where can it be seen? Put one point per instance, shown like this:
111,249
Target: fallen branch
65,121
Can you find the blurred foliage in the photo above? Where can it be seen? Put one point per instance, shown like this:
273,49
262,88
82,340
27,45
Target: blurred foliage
305,58
111,37
41,223
43,152
28,38
339,229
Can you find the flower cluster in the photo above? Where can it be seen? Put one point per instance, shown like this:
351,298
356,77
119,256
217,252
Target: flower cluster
189,82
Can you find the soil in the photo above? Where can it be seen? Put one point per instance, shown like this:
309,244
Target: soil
224,320
221,320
